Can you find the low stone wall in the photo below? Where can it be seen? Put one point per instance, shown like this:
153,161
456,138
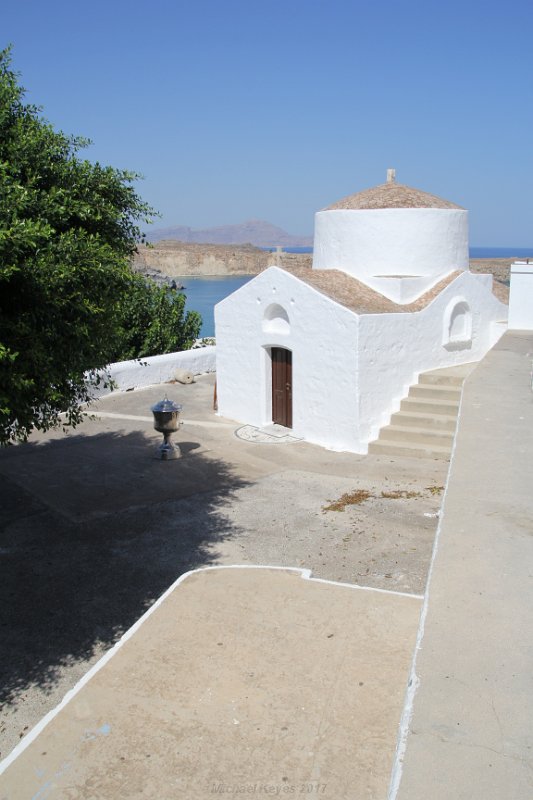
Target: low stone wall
138,373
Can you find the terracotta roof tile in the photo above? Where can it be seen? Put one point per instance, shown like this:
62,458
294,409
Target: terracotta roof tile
390,195
360,298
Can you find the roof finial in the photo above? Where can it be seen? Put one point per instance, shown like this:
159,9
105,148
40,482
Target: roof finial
391,175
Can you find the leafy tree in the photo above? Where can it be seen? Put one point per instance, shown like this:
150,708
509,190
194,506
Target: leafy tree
154,321
68,229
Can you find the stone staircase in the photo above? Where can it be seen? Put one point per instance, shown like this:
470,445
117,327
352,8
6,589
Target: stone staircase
424,427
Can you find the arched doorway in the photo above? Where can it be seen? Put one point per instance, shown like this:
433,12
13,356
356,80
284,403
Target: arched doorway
281,386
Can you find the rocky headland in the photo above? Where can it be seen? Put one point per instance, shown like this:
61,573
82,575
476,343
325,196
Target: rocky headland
178,259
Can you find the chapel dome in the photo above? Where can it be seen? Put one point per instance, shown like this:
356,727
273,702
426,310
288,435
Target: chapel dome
392,230
390,195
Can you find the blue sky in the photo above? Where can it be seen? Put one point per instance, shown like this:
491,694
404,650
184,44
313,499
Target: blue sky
234,109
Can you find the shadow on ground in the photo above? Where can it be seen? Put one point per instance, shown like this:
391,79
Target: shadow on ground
92,531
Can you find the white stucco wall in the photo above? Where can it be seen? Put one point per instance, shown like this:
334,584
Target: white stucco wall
392,241
322,336
521,297
395,348
137,373
349,372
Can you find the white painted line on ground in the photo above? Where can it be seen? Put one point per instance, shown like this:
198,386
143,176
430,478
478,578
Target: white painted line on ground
41,725
114,415
203,423
370,589
307,575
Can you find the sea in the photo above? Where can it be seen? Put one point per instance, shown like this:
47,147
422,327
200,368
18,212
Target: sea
203,293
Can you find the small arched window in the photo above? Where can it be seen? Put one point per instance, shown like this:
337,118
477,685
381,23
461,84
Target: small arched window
457,333
276,319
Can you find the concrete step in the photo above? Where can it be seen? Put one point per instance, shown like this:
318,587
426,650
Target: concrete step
424,427
417,419
435,391
402,433
430,406
380,447
451,376
437,379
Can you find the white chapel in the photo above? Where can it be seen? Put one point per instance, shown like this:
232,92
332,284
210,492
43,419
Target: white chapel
330,352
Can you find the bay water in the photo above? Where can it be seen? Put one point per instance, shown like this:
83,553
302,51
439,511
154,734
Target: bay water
203,293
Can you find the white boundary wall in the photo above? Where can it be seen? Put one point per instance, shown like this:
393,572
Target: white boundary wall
521,297
138,373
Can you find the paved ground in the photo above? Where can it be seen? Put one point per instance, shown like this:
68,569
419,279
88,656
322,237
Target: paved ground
94,529
471,733
243,681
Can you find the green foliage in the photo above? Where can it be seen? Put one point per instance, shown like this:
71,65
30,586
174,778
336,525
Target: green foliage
68,229
154,321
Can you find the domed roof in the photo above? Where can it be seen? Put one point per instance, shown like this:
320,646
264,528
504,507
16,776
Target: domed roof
391,195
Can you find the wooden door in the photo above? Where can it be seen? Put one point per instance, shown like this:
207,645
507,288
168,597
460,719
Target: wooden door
282,386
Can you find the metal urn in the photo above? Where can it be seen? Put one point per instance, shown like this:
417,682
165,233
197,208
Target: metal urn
167,421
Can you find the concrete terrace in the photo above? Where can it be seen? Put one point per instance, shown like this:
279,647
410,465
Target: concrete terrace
241,677
257,678
471,730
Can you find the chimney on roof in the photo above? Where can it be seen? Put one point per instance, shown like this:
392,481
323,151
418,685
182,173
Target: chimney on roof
391,175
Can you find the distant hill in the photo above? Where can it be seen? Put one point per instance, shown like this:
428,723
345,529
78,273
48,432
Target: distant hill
253,231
